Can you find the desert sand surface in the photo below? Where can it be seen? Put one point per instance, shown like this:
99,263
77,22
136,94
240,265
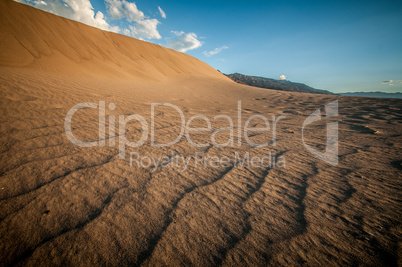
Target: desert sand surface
61,204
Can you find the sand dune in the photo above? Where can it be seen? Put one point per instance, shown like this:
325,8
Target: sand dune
61,204
36,39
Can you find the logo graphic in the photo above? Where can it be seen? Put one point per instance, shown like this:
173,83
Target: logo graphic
186,129
331,152
112,132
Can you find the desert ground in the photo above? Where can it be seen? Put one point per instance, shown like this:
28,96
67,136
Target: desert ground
62,204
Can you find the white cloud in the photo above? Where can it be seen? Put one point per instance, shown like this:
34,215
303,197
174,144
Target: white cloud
126,32
120,9
146,29
282,77
390,82
163,14
78,10
215,51
387,82
183,41
40,2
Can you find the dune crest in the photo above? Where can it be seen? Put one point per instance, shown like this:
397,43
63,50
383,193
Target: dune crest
36,39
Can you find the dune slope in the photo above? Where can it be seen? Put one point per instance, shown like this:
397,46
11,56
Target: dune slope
36,39
61,204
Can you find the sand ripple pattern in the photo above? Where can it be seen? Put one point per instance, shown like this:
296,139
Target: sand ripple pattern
61,204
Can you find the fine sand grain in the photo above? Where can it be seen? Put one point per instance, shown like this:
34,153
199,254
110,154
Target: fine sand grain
61,204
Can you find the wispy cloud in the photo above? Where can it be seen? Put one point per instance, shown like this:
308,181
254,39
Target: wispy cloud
163,14
215,51
390,82
183,41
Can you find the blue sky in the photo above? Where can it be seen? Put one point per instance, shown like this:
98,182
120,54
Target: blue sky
334,45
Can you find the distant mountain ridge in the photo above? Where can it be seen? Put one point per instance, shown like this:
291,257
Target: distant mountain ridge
274,84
